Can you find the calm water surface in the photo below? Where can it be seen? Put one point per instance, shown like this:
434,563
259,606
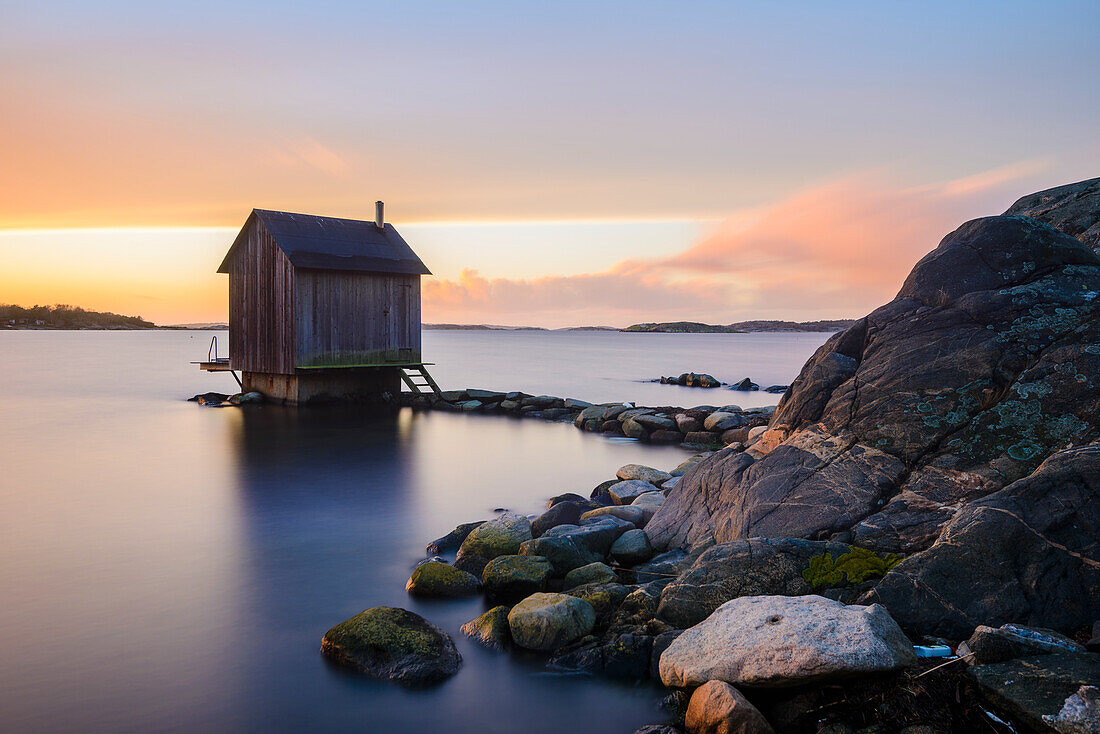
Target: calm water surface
167,567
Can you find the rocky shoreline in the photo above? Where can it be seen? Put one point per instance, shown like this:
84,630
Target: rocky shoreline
910,543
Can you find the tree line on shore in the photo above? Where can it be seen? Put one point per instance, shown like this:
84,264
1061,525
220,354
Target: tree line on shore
63,316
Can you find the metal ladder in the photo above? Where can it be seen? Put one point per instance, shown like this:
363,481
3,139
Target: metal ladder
410,375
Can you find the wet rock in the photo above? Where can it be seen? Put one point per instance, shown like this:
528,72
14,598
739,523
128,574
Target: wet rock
777,388
545,621
394,644
650,500
500,536
990,645
453,539
772,641
593,573
508,578
454,396
469,405
600,493
486,396
440,579
631,548
660,644
625,492
209,398
490,628
669,435
563,552
746,385
719,708
562,513
644,473
634,429
1031,688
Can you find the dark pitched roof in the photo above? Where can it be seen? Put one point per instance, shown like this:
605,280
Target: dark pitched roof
328,243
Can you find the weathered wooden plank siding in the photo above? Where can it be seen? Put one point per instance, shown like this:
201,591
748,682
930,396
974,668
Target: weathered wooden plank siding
261,306
355,318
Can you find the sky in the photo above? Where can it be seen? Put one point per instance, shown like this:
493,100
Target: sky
554,164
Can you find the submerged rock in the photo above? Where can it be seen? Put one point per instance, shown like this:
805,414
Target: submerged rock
395,644
435,578
772,641
545,621
490,628
717,707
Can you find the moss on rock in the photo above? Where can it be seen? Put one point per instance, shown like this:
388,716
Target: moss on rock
853,567
393,643
435,578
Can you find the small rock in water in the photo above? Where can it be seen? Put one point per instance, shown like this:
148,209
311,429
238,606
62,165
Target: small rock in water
453,539
777,388
394,644
490,628
545,621
440,579
746,385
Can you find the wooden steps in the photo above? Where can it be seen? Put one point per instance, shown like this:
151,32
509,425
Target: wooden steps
417,377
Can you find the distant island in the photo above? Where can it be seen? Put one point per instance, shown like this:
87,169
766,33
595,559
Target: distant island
67,317
669,327
741,327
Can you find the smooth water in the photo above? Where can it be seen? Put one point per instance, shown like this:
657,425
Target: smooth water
168,567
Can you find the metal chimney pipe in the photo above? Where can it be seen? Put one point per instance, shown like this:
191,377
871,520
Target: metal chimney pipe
378,220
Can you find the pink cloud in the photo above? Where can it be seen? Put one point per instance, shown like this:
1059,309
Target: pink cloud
833,250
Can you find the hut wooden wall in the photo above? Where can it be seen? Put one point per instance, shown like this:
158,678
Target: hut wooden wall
261,305
351,318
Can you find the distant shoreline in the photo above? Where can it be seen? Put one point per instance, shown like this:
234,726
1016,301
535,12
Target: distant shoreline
671,327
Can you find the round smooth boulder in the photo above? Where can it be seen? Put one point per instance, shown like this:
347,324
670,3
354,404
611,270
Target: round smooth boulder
640,471
564,553
436,578
393,644
500,536
636,516
631,548
546,621
773,641
513,577
490,628
562,513
717,707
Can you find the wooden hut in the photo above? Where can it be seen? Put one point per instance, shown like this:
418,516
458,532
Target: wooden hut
323,308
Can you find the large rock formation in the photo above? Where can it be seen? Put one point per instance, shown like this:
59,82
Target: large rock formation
985,364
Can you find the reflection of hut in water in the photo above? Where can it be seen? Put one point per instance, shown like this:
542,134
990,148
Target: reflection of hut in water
323,308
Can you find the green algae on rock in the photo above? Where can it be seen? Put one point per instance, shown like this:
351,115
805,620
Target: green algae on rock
436,578
490,628
394,644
